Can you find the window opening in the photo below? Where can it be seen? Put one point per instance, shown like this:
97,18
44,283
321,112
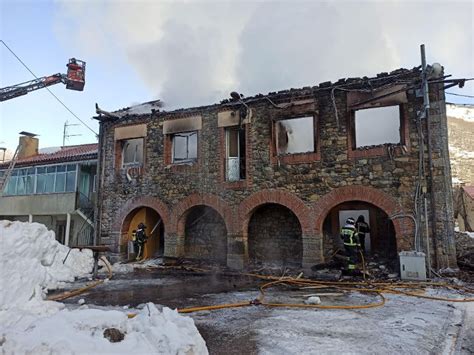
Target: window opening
377,126
133,152
235,154
184,147
295,135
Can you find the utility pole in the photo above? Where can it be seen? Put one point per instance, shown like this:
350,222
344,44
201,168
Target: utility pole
65,132
425,114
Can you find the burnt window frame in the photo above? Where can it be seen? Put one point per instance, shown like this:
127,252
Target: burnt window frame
123,143
242,138
402,129
292,117
172,146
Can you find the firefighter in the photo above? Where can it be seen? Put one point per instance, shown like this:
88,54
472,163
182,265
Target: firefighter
362,228
351,243
140,239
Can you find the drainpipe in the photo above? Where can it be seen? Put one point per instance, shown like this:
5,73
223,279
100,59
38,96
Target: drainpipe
426,104
99,181
68,227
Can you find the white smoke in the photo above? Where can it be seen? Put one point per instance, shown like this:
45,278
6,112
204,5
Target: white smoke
190,53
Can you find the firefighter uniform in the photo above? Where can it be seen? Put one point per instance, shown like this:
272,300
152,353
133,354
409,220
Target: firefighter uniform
351,243
140,240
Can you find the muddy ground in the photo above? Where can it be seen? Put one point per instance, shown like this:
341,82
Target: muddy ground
404,325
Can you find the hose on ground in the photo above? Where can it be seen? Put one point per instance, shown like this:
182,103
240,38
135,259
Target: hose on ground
69,294
378,288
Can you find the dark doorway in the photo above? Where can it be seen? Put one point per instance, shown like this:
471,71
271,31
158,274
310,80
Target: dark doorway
381,241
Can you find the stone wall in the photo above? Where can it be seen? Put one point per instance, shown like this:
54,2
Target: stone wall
308,184
205,235
275,236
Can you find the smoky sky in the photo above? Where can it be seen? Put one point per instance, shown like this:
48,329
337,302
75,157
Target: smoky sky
192,53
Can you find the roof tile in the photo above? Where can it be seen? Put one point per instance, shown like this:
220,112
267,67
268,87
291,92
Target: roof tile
68,153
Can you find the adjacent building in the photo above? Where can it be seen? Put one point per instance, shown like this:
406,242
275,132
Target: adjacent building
55,187
465,208
271,178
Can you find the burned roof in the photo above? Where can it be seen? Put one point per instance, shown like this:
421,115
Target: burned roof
65,154
399,76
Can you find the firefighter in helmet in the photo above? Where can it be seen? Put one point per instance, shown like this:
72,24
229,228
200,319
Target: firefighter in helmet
351,242
140,239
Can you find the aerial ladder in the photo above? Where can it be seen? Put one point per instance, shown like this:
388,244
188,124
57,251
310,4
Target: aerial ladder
74,80
5,175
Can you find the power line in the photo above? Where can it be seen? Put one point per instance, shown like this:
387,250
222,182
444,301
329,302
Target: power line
57,98
452,93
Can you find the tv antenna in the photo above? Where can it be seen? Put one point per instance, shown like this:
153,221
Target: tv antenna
66,135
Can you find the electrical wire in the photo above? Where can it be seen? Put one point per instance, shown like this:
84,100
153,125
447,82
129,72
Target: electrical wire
452,93
57,98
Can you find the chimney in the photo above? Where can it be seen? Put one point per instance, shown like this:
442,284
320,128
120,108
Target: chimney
28,145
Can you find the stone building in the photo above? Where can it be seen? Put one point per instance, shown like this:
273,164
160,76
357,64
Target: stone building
271,178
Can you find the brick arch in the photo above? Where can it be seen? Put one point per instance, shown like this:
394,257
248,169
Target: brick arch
210,200
367,194
280,197
137,202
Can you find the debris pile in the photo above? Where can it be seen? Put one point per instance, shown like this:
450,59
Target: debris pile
465,249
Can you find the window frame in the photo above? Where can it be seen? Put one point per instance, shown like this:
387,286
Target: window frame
135,163
241,152
314,121
300,157
45,173
401,148
353,131
187,160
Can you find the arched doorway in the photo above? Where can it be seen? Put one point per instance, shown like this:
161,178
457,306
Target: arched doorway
205,235
381,240
275,236
155,230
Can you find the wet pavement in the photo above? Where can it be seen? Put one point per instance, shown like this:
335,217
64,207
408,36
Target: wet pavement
404,324
174,289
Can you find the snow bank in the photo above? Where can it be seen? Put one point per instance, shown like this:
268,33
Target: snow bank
463,112
31,261
81,331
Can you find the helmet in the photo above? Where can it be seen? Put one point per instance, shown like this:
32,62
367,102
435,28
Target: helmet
141,226
350,220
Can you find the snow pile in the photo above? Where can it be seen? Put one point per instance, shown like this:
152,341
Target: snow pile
455,152
463,112
81,331
32,261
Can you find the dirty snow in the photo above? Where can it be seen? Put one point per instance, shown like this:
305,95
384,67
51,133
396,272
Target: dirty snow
31,261
459,153
464,112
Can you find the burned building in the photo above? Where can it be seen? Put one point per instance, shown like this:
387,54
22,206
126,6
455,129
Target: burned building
271,178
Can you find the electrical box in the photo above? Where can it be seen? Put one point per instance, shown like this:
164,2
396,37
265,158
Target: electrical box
412,265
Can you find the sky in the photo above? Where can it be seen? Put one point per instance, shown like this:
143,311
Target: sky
190,53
